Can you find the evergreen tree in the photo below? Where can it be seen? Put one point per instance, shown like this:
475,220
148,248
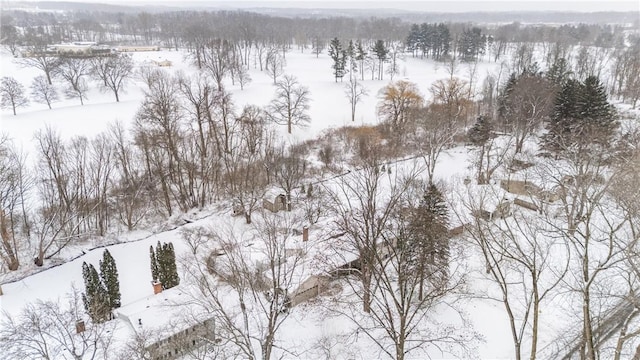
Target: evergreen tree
481,131
163,262
155,273
597,115
381,52
582,117
429,229
109,275
162,265
95,298
338,56
171,270
559,72
361,56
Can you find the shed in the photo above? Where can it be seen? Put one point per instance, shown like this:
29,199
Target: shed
274,201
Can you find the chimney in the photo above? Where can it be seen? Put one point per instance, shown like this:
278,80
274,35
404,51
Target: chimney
305,233
157,287
80,326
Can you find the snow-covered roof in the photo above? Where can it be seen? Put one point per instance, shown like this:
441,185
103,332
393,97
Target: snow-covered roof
163,314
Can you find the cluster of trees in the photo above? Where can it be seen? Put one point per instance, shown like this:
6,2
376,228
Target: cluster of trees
102,290
188,147
111,72
430,39
163,265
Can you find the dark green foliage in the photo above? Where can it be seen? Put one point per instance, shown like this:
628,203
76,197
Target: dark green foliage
155,273
504,101
381,53
559,72
582,117
429,238
481,131
472,43
429,39
164,263
109,275
339,57
95,298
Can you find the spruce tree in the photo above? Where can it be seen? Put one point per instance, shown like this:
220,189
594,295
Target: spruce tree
109,275
596,114
481,131
338,56
95,298
155,272
171,269
429,229
361,56
381,52
163,265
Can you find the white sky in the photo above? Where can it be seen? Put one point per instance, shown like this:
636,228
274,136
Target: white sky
419,5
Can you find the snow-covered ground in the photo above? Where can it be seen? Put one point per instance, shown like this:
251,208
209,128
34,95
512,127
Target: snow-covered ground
309,324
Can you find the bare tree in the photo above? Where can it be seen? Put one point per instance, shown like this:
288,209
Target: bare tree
290,105
453,96
396,102
274,64
525,104
15,185
436,132
242,75
523,260
354,91
12,94
248,294
42,91
364,214
218,60
289,171
74,71
113,71
41,60
130,185
50,330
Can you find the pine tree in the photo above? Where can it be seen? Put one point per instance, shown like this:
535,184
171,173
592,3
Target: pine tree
381,52
155,273
95,298
429,229
163,265
481,131
338,56
559,72
109,275
582,117
361,56
597,115
171,269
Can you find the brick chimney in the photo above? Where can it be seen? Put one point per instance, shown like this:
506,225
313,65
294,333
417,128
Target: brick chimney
157,287
305,233
80,326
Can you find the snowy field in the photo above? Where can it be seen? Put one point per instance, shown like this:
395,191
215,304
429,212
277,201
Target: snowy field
308,323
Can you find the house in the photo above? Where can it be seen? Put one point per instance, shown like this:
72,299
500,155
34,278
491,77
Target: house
274,201
168,323
137,48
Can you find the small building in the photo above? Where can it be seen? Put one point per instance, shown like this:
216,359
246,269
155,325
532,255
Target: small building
168,323
137,48
274,201
163,63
